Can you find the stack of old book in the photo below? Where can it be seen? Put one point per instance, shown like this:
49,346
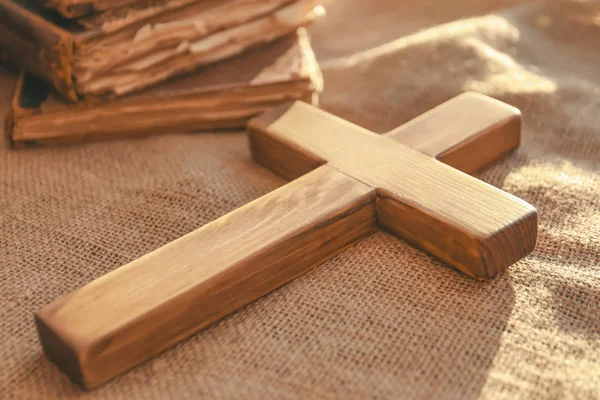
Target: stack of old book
115,68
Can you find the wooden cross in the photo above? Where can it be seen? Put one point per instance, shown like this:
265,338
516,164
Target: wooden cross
350,183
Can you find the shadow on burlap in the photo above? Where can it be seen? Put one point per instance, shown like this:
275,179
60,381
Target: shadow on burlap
381,320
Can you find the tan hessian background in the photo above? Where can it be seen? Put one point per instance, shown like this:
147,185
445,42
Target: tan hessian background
381,320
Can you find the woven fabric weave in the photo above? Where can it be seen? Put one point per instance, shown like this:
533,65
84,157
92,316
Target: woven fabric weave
382,319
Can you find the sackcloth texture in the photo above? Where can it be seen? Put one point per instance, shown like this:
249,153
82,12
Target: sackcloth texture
382,319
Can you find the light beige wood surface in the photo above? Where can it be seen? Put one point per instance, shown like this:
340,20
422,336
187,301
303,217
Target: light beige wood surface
143,307
466,133
369,182
469,224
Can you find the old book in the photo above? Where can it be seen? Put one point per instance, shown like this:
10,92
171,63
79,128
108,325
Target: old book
140,44
78,8
221,97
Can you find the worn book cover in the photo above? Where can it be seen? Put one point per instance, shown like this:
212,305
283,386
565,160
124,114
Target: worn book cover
223,97
125,49
78,8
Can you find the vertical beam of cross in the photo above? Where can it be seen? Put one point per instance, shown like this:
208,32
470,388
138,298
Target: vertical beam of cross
467,223
351,183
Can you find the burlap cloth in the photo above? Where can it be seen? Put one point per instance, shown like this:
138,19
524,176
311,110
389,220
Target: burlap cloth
381,320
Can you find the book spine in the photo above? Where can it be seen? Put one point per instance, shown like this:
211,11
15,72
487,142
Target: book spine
15,112
37,45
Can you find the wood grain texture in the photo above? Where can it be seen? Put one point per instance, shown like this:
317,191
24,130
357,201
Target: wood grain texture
469,224
185,285
350,183
467,132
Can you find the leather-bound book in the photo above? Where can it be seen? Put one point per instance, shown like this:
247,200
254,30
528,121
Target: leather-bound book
141,43
221,97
